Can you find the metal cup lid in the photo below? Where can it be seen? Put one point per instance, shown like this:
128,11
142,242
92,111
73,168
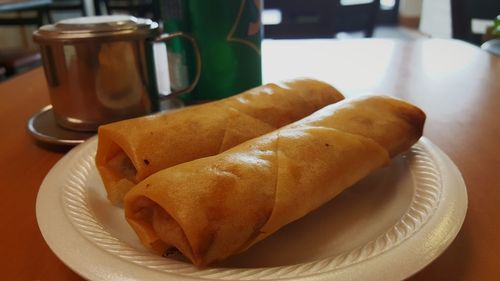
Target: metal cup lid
85,28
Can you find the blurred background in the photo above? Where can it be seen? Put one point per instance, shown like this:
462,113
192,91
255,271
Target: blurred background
468,20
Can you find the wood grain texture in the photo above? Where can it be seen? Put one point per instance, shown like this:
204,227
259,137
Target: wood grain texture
24,163
455,83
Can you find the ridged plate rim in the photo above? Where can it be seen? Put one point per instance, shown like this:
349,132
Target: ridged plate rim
425,161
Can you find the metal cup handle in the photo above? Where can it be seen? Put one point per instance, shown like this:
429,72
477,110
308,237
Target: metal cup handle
165,38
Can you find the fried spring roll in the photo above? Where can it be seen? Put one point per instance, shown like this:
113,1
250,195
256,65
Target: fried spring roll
214,207
130,150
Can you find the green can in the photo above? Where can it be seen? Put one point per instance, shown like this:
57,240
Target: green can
228,34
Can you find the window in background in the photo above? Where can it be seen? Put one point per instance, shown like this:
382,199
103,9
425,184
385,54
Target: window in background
354,2
387,4
271,16
324,19
384,4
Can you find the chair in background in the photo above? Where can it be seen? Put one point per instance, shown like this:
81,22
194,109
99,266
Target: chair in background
2,73
320,18
301,19
463,12
36,12
15,61
137,8
26,13
356,16
66,6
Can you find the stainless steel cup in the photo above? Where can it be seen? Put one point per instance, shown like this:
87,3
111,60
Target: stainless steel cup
102,69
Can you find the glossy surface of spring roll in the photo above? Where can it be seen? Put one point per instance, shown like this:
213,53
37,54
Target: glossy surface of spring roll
217,206
129,151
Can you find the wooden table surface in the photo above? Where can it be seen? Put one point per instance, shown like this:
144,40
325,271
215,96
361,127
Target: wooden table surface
455,83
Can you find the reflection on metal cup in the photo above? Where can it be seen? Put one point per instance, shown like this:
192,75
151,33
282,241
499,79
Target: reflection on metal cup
99,69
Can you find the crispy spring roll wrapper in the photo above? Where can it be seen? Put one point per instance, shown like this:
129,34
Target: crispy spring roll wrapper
130,150
217,206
